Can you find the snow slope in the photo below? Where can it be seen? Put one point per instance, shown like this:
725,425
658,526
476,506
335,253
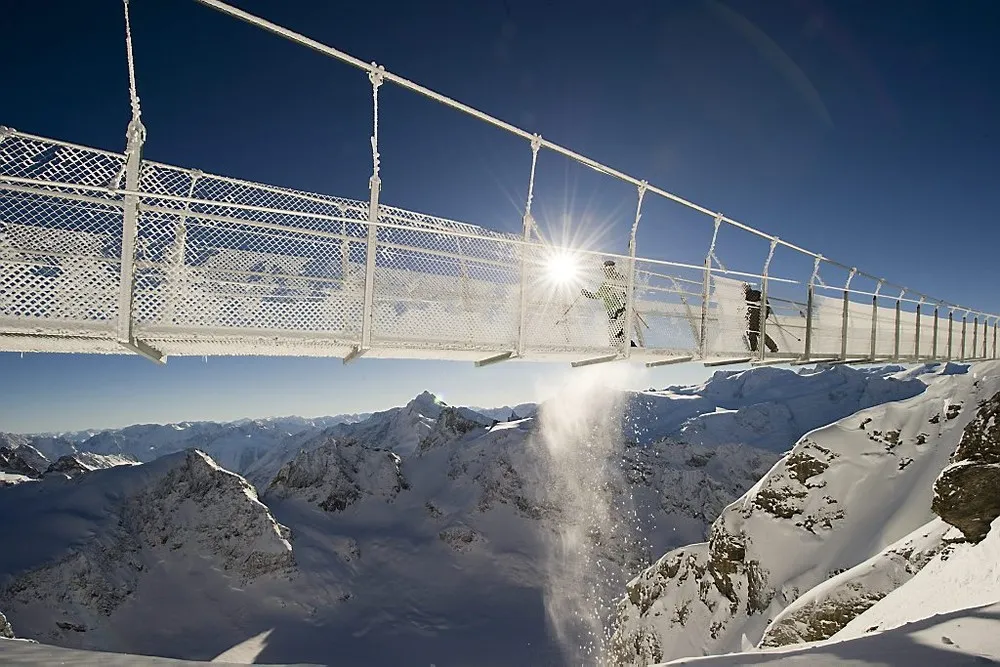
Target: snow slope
947,614
26,654
825,609
844,493
960,578
960,639
136,557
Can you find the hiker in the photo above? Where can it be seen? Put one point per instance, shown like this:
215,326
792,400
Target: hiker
752,297
612,292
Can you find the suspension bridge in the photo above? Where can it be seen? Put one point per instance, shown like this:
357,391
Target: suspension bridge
111,253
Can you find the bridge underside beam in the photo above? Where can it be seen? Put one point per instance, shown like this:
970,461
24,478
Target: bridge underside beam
669,360
727,362
495,359
595,360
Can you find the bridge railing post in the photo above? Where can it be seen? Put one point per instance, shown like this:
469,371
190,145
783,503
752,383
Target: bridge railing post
810,297
846,313
951,333
133,161
375,74
895,348
985,335
878,288
975,336
135,138
528,224
706,289
916,332
934,337
630,319
996,323
762,334
965,322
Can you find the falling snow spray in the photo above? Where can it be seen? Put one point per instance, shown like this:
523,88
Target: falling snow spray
579,447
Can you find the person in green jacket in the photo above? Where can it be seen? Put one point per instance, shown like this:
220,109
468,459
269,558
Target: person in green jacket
612,292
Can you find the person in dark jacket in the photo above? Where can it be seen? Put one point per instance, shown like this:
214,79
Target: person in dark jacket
612,293
752,297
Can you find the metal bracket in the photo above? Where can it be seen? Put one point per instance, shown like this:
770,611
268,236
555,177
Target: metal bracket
144,349
354,353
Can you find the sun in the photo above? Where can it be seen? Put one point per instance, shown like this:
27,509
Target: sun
562,267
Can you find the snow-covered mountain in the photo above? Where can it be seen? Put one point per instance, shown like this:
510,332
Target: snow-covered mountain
430,533
855,490
138,557
398,429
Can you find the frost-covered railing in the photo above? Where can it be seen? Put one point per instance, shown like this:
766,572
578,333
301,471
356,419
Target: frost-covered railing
106,252
224,266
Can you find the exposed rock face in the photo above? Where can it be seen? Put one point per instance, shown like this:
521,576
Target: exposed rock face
450,424
460,537
67,466
13,461
6,631
967,494
338,474
231,525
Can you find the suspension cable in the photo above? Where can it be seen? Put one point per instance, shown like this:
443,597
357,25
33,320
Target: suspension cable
536,144
136,110
376,74
770,256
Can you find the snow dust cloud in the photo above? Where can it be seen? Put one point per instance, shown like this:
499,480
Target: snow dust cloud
578,448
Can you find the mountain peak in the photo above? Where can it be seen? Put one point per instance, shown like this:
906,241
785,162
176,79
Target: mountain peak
427,404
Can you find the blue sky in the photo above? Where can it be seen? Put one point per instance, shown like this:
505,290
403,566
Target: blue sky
862,130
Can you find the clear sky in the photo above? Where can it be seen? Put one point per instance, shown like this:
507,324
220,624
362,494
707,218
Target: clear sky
863,130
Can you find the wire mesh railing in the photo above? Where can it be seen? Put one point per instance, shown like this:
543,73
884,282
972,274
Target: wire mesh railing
224,266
